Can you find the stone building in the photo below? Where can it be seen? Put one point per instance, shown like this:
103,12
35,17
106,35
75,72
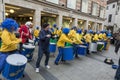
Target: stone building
86,14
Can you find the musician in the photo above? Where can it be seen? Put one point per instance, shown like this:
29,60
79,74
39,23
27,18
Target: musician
61,44
9,41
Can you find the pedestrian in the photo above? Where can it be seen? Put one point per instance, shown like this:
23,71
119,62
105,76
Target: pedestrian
44,38
117,46
9,41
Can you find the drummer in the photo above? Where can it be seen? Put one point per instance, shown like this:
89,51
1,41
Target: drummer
95,37
88,38
25,33
61,44
74,35
36,34
9,41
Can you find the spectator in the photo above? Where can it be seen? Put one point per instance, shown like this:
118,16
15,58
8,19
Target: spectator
44,38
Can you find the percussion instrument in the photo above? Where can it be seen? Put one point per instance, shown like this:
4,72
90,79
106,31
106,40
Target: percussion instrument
14,67
82,50
28,50
68,53
93,47
52,47
100,46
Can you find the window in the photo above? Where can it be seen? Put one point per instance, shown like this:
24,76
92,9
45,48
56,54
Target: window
54,1
94,9
107,7
110,18
102,12
71,4
84,6
113,5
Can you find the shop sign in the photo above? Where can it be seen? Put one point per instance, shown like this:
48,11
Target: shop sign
50,10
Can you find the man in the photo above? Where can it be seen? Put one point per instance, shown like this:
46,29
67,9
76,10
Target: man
117,46
44,38
36,34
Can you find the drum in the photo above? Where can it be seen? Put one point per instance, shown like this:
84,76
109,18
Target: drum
82,50
52,47
100,46
68,53
14,68
93,47
28,50
31,41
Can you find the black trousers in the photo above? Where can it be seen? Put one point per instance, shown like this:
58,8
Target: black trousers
40,55
117,46
117,75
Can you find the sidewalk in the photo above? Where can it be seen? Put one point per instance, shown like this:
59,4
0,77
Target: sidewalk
90,67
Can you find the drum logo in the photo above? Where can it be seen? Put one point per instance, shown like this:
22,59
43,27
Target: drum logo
16,73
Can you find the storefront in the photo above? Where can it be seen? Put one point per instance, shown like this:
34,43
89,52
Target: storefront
81,24
20,14
68,22
48,18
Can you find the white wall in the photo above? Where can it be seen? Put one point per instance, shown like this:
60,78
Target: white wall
112,11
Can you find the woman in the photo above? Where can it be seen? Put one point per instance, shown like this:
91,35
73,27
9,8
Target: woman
9,41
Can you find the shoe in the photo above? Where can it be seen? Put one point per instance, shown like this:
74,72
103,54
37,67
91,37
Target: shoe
37,70
47,66
56,63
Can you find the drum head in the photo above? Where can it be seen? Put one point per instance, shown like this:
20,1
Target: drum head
53,43
16,59
68,47
29,46
31,41
100,43
82,46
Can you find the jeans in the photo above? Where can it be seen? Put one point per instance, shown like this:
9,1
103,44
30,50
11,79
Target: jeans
117,46
75,49
36,40
40,55
60,54
117,75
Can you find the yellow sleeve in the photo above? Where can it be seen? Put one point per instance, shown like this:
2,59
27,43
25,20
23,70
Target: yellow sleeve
66,39
7,40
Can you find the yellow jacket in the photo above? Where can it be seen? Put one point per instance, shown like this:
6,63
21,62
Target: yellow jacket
9,41
36,33
63,38
88,38
0,33
100,36
96,37
59,32
104,36
75,37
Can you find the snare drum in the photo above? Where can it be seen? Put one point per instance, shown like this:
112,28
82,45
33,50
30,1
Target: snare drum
82,50
93,47
14,68
28,50
68,53
100,46
52,47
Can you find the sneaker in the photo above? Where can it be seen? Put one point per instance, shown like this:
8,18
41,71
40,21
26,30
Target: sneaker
37,70
47,66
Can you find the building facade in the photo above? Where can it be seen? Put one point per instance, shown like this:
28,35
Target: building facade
112,15
86,14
